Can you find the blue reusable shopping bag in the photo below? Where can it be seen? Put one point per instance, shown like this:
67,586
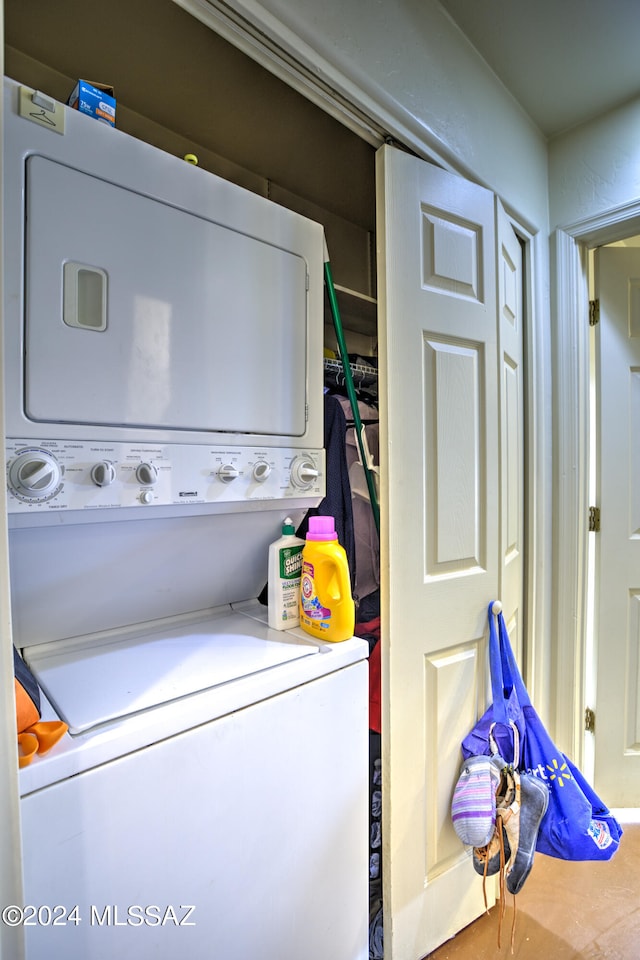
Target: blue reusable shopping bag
505,710
577,824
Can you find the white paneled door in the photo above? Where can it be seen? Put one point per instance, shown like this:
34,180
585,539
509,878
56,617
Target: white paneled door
451,536
617,728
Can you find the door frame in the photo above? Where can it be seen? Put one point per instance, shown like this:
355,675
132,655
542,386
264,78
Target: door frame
537,525
571,381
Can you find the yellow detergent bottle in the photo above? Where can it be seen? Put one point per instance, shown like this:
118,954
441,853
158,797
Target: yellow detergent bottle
327,610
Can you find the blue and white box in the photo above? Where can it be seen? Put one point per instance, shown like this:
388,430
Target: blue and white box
95,99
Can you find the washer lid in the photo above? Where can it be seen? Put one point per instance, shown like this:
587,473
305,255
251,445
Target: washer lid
94,682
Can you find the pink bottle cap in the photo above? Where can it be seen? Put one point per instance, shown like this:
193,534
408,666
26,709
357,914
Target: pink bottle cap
322,528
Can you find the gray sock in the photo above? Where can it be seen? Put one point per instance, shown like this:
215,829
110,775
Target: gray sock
534,799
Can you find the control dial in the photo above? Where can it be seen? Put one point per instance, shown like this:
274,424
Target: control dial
303,472
103,473
261,471
35,475
228,472
146,474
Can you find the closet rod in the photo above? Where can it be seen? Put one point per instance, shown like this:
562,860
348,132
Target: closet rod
351,393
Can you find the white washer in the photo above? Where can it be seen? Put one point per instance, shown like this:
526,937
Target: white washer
226,822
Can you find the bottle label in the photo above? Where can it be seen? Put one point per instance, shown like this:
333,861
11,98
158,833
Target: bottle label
291,562
311,606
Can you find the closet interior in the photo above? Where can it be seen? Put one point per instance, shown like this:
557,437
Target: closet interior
183,88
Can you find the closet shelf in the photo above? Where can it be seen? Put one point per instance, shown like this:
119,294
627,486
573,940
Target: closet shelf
356,296
358,311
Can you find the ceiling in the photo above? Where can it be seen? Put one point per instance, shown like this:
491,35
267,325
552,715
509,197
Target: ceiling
565,61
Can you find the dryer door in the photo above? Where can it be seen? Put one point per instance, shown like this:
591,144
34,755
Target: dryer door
139,313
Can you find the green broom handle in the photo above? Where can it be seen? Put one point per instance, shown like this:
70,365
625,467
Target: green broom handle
351,393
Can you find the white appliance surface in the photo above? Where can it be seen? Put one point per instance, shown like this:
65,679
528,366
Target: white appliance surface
244,664
182,294
113,677
256,820
148,300
79,579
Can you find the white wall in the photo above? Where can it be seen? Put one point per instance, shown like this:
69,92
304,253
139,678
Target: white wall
409,64
595,167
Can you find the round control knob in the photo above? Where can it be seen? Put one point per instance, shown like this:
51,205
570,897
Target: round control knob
34,475
303,472
147,474
228,472
103,473
146,496
261,471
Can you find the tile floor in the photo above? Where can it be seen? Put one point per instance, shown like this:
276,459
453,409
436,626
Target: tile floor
565,911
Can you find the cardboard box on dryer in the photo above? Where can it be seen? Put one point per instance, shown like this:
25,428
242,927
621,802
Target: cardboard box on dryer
94,99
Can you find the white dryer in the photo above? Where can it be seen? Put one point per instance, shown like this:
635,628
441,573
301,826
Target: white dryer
163,397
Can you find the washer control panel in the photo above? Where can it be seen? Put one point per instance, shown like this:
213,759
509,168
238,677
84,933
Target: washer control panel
72,475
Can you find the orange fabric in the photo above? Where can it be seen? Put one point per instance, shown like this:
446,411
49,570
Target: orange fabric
26,712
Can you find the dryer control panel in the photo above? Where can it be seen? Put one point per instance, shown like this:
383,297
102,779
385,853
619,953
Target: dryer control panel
71,475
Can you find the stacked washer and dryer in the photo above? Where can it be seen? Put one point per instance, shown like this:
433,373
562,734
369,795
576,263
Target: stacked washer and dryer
164,413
